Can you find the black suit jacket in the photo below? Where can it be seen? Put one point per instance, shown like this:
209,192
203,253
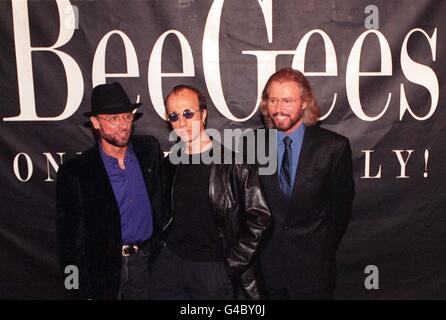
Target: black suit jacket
300,251
89,221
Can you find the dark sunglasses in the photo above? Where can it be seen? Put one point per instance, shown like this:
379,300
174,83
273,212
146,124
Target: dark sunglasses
187,114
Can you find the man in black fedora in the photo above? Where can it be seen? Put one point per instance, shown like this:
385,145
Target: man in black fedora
109,203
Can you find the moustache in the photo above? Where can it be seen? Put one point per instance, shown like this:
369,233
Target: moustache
275,114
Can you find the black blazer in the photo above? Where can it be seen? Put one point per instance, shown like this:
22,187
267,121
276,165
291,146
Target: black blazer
300,251
88,217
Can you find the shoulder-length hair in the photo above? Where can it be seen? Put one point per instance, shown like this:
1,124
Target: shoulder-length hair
310,114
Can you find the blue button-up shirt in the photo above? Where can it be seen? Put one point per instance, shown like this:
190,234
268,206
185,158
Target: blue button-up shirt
131,195
297,136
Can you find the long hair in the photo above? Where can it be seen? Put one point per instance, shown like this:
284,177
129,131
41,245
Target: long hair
310,114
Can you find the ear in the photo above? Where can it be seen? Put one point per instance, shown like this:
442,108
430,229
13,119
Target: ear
95,122
204,115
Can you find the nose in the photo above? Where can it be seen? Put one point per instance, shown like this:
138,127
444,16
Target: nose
281,106
181,121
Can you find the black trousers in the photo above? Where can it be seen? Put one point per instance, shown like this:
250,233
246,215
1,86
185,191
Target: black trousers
135,277
174,278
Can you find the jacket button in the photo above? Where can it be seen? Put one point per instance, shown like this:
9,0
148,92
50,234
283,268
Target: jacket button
286,227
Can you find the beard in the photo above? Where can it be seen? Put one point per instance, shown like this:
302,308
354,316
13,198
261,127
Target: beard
283,121
116,140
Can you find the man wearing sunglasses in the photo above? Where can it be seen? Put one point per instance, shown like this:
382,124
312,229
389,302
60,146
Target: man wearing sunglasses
108,203
218,214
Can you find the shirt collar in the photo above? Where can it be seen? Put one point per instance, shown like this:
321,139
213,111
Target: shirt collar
296,136
109,160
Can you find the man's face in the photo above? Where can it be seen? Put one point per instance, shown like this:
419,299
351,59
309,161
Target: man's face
285,105
115,129
181,104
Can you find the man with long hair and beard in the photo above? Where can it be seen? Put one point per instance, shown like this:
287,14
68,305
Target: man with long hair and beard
310,196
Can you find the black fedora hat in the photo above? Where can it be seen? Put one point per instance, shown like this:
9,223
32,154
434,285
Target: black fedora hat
110,99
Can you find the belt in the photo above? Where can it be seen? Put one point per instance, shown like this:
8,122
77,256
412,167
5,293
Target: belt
129,249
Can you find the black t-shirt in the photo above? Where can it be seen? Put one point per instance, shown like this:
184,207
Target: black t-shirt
194,234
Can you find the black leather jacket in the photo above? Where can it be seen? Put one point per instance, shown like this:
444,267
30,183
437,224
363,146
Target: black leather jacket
241,214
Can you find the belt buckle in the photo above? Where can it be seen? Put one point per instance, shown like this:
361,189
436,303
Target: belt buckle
128,250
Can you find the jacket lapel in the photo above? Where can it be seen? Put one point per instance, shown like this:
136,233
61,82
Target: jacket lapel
304,165
101,183
277,201
146,164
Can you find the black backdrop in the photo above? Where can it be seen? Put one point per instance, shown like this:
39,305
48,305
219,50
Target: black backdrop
53,52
